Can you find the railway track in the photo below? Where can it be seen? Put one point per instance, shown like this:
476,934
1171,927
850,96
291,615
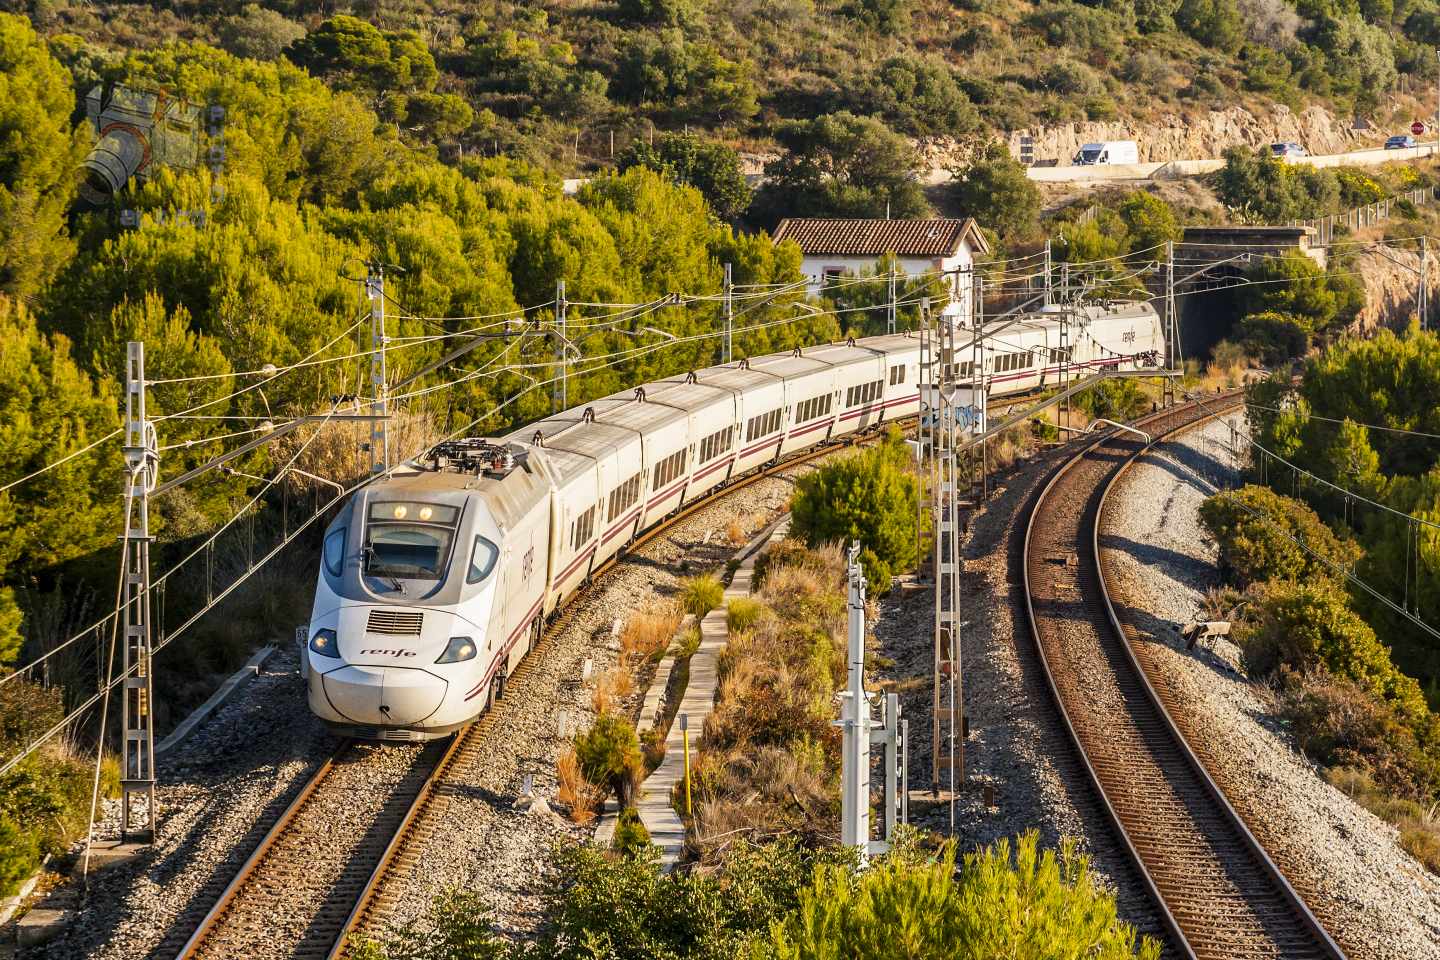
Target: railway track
341,855
1219,892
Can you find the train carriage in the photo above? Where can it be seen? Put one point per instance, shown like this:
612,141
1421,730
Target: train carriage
710,414
859,380
809,409
434,582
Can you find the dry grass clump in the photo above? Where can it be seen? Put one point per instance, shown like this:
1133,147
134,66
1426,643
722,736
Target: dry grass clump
579,795
1418,824
735,533
648,632
1012,445
742,613
1422,841
611,687
769,751
699,595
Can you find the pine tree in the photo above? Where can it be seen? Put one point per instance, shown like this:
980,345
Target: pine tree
39,152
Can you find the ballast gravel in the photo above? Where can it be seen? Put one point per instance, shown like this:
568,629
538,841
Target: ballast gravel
221,789
1375,899
1017,748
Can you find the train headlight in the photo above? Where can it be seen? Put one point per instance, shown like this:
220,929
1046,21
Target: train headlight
457,650
325,644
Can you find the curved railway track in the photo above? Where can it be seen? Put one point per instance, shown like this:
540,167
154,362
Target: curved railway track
340,854
1219,892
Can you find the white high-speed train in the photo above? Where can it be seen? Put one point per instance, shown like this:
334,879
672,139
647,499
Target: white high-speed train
435,582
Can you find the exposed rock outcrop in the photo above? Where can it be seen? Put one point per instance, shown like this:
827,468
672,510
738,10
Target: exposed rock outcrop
1391,282
1203,134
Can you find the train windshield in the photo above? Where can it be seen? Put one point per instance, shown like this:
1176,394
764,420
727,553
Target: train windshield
398,546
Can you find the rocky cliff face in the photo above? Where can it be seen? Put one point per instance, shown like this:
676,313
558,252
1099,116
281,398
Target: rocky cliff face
1197,136
1391,287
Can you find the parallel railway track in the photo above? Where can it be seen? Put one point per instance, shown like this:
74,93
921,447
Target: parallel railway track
354,897
1219,892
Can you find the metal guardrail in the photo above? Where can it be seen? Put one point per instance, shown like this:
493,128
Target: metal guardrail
1367,216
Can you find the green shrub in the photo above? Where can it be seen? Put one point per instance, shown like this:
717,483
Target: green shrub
19,855
1259,533
1121,400
699,595
686,159
743,612
995,190
456,927
1032,906
609,755
1273,336
1308,625
624,908
631,837
1338,723
870,497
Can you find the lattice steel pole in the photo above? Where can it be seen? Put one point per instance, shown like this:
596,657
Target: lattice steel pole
1424,294
379,377
729,316
137,763
890,318
561,390
946,710
1049,295
1172,326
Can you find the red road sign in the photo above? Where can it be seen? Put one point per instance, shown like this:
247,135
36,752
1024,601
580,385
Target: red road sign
1417,128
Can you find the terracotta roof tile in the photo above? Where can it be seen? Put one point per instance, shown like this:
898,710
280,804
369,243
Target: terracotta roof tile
939,237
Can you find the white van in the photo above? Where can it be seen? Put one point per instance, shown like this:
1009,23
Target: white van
1109,152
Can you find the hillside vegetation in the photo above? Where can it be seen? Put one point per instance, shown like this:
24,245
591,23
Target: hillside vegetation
552,81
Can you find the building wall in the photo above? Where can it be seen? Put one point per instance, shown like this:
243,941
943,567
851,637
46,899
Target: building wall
816,267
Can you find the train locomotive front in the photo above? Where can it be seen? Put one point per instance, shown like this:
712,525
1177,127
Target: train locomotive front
411,634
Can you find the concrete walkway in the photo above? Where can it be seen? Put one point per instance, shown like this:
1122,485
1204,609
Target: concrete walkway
667,830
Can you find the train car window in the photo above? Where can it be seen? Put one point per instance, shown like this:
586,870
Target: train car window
482,560
584,528
335,552
669,468
897,374
407,550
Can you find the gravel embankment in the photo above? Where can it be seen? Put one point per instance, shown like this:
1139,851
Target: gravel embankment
222,789
1372,896
1017,744
487,846
219,791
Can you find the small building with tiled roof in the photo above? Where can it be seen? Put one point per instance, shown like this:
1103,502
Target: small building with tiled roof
833,248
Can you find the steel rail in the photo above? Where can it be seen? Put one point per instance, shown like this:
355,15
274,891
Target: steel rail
1133,801
213,917
468,740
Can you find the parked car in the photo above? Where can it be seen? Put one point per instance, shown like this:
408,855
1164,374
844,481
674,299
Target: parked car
1287,150
1400,142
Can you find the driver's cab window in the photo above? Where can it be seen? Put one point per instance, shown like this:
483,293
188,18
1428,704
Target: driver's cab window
409,541
482,560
